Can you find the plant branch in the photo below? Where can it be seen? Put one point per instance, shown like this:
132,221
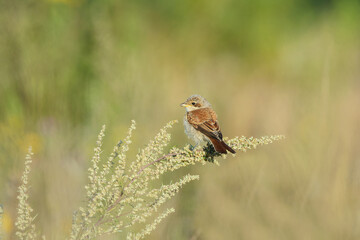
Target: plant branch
112,206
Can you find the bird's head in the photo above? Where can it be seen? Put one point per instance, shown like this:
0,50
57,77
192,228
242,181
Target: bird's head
195,102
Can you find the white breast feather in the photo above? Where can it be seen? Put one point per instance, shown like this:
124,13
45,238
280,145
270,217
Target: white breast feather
194,134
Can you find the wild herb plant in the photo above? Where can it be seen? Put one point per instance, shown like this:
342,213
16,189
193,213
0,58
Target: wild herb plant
120,193
25,219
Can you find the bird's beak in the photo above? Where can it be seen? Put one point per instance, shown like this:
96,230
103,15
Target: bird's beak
184,104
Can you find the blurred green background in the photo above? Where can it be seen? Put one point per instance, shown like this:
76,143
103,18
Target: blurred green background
268,67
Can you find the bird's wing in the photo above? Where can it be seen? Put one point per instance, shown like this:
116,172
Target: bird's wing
205,121
211,129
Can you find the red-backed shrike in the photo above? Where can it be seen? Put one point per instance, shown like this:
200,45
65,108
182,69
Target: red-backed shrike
201,123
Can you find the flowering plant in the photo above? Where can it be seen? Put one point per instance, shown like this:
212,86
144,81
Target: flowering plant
120,195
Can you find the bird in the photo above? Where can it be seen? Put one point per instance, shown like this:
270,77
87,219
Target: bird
201,124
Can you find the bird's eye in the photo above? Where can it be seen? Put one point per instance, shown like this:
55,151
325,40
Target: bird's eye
193,103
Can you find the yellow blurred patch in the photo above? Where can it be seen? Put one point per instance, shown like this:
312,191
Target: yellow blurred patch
8,225
13,133
33,140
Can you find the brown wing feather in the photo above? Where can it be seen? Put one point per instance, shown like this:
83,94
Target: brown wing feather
209,131
205,121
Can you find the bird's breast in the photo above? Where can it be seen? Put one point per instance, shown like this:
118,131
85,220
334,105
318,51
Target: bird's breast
192,133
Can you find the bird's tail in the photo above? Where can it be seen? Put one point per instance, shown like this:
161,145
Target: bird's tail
220,146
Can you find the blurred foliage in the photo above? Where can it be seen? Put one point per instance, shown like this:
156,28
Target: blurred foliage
268,67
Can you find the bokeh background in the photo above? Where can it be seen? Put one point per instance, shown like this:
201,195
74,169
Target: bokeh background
268,67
